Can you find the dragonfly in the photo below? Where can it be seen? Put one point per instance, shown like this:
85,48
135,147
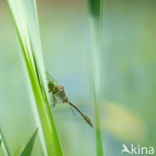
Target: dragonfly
59,94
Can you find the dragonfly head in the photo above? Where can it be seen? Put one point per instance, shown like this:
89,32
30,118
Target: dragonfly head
51,85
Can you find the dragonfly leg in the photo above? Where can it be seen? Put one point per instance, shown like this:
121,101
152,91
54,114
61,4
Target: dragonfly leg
54,100
65,99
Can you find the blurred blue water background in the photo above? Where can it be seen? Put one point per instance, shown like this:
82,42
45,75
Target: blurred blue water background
128,74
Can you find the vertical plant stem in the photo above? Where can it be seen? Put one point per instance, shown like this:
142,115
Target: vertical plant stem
96,22
96,88
25,19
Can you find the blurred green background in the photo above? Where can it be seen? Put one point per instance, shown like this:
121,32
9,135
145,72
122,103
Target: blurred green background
128,75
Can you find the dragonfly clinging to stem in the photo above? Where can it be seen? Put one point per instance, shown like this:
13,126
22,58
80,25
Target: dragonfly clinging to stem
58,91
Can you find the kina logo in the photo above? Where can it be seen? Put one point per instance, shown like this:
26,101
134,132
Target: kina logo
137,149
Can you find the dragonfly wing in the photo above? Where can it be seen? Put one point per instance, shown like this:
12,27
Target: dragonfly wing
72,110
49,77
55,99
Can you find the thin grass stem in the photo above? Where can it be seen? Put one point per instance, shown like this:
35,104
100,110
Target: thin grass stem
3,144
96,9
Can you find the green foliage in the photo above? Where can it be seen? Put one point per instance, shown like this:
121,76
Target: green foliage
24,14
27,150
3,144
29,146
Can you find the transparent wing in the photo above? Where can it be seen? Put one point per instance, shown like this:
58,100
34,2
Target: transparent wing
49,77
55,99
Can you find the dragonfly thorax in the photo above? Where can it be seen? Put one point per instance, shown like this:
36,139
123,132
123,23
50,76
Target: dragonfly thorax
56,88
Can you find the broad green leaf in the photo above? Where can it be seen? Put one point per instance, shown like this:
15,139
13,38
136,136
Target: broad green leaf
29,146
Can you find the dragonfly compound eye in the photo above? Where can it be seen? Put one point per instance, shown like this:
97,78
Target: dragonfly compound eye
53,84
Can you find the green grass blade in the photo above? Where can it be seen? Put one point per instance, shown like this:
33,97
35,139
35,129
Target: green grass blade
3,144
96,7
96,11
99,142
24,15
29,146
